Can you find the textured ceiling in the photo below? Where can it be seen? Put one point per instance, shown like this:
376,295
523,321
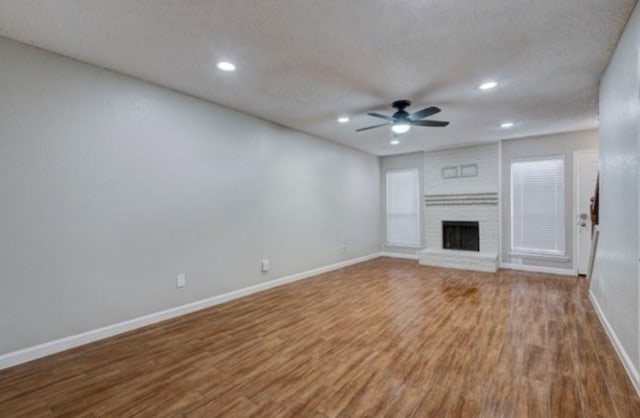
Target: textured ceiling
302,63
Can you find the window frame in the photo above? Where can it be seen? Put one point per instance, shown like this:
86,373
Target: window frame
560,255
389,243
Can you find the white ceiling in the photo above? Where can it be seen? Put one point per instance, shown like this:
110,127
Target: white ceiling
302,63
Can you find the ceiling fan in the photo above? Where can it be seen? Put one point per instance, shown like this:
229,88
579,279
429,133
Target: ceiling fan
402,121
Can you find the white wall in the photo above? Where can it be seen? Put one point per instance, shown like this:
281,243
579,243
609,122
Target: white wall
544,146
111,186
615,279
414,160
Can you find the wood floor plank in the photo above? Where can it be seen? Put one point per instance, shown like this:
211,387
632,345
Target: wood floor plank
536,363
564,398
382,338
627,408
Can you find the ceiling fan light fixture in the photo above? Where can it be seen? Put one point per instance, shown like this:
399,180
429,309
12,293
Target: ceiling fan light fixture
226,66
400,128
488,85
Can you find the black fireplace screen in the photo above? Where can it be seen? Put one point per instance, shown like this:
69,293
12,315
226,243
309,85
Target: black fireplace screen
460,235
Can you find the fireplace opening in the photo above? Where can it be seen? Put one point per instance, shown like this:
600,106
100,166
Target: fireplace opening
460,235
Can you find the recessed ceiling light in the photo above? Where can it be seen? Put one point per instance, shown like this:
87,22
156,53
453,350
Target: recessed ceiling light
395,142
343,119
488,85
506,125
226,66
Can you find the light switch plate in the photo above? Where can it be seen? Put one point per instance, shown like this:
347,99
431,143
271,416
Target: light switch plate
182,280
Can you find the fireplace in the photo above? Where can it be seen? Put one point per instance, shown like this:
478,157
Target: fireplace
460,235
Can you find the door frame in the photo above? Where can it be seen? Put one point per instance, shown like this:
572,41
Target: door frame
576,204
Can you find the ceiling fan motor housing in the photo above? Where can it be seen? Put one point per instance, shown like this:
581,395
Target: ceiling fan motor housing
401,104
401,114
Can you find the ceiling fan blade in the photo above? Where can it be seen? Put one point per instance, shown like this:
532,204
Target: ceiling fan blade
433,123
372,127
426,112
378,115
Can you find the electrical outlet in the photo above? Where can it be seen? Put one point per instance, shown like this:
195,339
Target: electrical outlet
265,266
182,280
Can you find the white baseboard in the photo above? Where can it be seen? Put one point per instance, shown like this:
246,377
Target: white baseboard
400,255
41,350
624,357
538,269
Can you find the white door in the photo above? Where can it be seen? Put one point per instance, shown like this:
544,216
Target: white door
587,166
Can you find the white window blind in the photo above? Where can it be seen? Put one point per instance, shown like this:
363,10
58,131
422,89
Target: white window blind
403,210
537,206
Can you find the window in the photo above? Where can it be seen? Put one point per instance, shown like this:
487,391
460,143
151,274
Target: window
403,208
537,206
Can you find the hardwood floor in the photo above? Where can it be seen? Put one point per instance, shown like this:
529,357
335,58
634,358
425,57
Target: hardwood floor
382,338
